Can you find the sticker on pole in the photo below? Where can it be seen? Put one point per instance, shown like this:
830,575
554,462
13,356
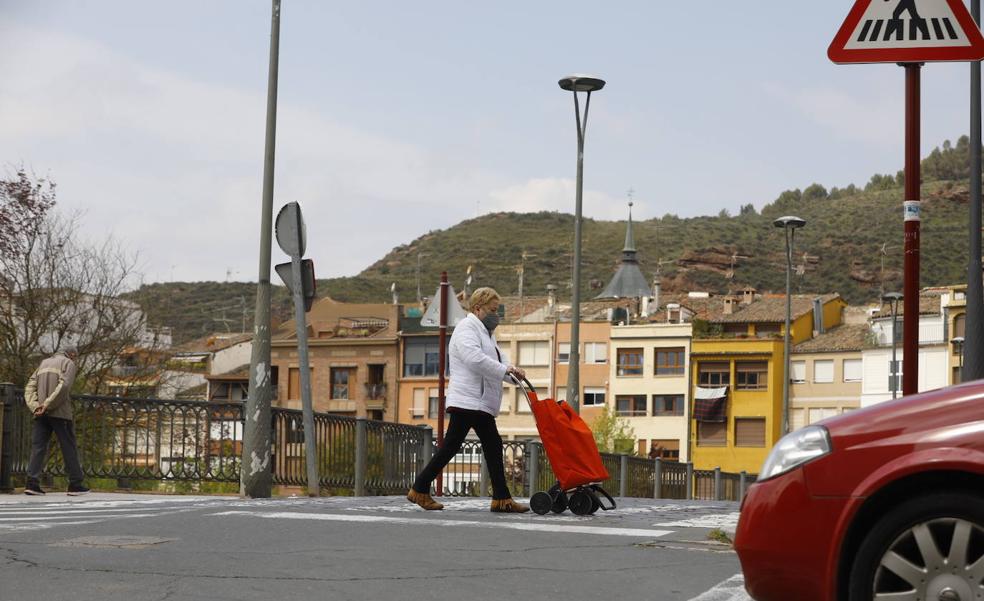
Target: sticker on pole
907,31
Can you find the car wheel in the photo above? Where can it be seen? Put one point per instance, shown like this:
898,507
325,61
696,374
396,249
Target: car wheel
930,548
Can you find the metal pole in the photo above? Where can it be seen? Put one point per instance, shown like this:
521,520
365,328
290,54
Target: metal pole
895,365
790,233
361,456
717,484
574,365
657,478
441,366
910,292
689,487
6,437
303,364
973,368
257,478
623,476
534,460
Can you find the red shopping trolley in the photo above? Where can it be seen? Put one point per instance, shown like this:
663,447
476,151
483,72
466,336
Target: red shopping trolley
573,455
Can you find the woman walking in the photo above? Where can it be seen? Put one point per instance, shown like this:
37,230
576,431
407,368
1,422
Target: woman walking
473,400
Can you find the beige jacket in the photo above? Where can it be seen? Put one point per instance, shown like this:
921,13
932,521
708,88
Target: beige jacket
50,386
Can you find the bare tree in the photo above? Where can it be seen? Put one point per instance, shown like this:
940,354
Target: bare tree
57,289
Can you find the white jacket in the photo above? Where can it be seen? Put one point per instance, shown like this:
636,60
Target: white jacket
477,368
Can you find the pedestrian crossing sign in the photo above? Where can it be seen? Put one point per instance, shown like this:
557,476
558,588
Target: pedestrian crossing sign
907,31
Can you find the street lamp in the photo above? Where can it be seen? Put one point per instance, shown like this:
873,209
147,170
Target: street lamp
575,84
893,299
958,347
789,224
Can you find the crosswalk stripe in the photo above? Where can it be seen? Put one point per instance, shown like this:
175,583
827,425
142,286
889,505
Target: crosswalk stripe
558,528
732,589
73,511
58,517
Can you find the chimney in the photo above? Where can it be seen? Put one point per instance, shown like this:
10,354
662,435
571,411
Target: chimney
551,297
657,289
671,310
729,305
748,296
644,310
818,325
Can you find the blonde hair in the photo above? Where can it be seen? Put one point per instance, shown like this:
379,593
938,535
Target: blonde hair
483,297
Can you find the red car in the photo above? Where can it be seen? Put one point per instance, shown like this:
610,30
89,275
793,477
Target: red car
884,503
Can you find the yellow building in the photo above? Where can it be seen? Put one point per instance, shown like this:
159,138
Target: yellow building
740,350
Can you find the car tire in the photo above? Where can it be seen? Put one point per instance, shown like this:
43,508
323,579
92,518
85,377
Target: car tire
897,555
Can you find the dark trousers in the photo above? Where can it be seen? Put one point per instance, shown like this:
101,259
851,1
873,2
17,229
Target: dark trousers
64,429
461,421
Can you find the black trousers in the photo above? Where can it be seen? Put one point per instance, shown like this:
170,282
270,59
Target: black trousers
64,429
461,421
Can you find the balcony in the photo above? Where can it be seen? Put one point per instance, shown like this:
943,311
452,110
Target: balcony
375,395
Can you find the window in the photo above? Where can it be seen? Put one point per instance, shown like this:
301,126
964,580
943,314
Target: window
630,405
417,409
797,419
505,405
341,378
752,375
817,414
421,356
561,393
522,405
669,362
665,449
534,353
433,403
629,362
749,431
714,374
597,352
667,404
564,352
959,329
294,383
823,371
593,397
799,372
712,434
852,370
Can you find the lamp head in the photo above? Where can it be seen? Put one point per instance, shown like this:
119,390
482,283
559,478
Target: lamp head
789,222
957,340
891,297
581,83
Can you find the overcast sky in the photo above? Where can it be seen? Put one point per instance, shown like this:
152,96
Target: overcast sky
397,118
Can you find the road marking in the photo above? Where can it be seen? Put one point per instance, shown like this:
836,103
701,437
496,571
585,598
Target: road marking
564,529
66,511
62,517
732,589
713,520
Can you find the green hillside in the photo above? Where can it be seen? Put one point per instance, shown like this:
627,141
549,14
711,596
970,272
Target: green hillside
852,244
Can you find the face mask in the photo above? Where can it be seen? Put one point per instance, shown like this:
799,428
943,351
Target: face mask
491,321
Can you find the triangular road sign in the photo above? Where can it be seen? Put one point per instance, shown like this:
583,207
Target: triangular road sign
432,315
907,31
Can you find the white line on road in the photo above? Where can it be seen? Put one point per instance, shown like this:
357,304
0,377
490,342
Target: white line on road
62,517
66,511
732,589
564,529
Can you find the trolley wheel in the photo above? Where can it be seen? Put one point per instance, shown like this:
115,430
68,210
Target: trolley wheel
540,503
580,502
595,503
559,502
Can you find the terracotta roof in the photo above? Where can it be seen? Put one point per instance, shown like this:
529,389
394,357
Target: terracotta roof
929,304
239,373
772,309
842,338
213,342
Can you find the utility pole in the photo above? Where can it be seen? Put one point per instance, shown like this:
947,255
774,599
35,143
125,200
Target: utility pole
256,473
973,347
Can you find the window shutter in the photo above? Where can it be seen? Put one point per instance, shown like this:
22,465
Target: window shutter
823,371
852,370
799,371
712,434
749,431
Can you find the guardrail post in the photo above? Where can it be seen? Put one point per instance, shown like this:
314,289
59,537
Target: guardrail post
6,437
690,481
428,451
360,457
657,478
534,461
483,476
742,484
623,476
717,484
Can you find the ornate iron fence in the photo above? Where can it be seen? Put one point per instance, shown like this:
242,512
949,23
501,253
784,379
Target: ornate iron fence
164,440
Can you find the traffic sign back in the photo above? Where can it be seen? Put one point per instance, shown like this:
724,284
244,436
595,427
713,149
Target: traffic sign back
907,31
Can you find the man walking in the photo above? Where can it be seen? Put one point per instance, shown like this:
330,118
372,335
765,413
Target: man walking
47,396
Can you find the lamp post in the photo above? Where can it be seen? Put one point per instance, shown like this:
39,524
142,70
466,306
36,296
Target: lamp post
575,84
893,298
974,324
958,346
789,224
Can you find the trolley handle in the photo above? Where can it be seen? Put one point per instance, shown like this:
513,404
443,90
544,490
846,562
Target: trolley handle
527,389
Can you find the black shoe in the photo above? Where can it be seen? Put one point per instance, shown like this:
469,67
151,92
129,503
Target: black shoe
75,490
33,489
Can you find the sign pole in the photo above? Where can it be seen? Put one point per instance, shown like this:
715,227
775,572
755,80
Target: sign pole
973,366
303,364
441,367
910,288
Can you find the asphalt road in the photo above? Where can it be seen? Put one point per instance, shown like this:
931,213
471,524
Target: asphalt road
151,547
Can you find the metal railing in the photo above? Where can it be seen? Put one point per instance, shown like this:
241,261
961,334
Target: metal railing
191,441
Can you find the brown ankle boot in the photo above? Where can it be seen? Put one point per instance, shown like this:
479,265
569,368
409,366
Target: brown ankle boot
424,500
508,506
